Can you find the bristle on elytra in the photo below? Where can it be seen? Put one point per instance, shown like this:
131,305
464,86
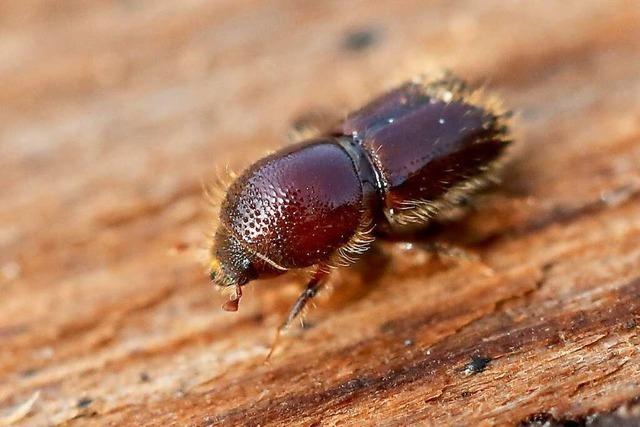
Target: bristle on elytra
423,211
450,89
445,86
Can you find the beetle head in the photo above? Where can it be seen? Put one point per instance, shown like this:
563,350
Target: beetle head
230,266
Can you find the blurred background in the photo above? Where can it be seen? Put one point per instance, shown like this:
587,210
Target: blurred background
114,112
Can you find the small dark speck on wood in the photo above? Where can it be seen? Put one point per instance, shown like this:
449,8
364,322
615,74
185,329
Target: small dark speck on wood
476,365
84,402
361,39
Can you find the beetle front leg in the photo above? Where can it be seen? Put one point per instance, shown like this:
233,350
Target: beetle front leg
316,282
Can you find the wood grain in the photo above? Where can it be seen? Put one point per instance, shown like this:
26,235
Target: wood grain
114,112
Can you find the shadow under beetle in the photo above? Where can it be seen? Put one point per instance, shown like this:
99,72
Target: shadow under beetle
407,157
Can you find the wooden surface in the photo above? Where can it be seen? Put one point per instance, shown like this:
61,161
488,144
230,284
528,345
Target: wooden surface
112,114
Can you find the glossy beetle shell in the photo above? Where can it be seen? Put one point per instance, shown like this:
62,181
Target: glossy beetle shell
426,140
297,206
403,159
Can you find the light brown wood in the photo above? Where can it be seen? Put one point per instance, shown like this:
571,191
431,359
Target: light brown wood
113,113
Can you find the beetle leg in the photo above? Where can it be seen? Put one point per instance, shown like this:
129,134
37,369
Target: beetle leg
449,251
311,290
312,124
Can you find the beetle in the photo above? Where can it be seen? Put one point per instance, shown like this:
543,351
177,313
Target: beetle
404,159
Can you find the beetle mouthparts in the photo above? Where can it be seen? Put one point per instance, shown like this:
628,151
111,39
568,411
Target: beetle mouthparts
232,304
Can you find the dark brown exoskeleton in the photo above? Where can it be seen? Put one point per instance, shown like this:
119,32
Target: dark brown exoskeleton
405,158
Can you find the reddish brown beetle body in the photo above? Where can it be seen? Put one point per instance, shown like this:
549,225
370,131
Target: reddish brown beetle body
292,209
406,157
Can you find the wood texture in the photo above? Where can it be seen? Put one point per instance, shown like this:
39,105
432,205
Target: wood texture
113,113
